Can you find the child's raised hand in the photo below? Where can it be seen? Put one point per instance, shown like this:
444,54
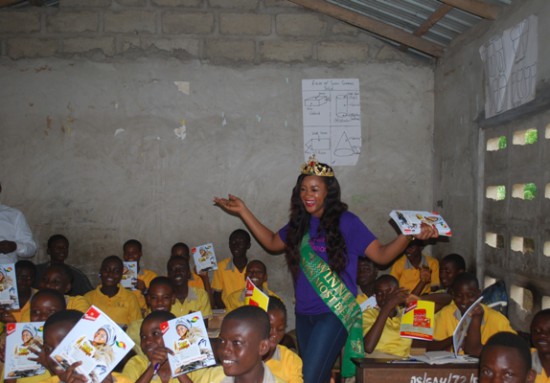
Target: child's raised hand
230,204
397,297
159,356
70,375
477,312
140,285
41,358
425,274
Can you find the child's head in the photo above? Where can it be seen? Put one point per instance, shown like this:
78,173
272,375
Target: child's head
276,310
132,250
58,248
239,243
160,296
150,332
257,272
505,358
465,290
180,249
414,249
110,272
46,303
244,340
383,287
366,271
55,329
449,267
178,271
25,272
57,277
540,332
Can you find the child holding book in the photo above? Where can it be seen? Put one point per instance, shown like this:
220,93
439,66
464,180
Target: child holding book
381,324
55,329
118,303
152,365
132,252
485,321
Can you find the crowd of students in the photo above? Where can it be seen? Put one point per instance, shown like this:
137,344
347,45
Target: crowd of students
161,298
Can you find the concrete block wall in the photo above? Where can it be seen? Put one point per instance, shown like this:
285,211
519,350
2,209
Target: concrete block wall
220,31
463,168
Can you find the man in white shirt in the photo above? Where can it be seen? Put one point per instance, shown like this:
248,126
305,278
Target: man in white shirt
15,235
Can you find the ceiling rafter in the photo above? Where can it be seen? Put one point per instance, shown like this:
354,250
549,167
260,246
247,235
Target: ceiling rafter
476,7
374,26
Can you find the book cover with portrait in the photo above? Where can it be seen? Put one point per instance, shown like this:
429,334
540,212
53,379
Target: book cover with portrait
409,221
129,275
204,257
186,336
9,299
23,343
97,341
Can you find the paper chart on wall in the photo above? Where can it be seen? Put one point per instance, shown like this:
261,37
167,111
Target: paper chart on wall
510,61
332,120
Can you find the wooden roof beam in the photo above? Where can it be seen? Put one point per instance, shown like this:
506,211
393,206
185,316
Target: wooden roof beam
374,26
476,7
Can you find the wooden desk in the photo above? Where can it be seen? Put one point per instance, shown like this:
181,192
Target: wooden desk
382,371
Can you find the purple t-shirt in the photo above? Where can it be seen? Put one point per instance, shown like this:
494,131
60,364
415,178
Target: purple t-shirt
357,237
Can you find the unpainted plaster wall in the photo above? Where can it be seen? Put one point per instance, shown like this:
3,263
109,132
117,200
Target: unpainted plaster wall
89,150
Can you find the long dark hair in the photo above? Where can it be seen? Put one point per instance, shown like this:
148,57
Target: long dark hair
330,224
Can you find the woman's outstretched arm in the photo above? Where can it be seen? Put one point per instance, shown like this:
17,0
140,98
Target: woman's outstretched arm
267,238
384,254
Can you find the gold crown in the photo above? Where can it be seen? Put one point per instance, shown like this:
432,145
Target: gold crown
314,168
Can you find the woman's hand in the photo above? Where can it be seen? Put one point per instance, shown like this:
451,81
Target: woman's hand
231,204
427,232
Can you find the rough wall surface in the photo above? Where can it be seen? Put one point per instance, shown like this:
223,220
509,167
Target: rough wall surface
89,145
459,145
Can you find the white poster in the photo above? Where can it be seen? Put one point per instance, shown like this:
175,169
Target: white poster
510,61
332,120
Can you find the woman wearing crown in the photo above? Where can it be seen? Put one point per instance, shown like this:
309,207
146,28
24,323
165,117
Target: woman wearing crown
322,242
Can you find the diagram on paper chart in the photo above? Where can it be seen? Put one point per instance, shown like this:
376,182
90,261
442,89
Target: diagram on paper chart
332,120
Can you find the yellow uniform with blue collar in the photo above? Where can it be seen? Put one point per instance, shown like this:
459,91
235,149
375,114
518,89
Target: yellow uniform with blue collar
228,279
286,365
448,317
408,276
390,341
123,307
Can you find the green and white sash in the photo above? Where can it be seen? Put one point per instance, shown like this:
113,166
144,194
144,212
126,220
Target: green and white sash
338,298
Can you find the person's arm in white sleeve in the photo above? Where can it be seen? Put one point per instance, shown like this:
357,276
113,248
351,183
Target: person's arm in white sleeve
26,247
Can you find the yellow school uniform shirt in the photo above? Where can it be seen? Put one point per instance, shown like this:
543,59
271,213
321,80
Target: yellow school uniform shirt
216,375
123,307
542,377
448,317
409,276
133,332
228,278
136,366
390,341
197,300
78,302
286,365
117,378
195,281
